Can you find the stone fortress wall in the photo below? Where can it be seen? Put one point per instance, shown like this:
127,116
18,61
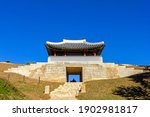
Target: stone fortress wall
56,71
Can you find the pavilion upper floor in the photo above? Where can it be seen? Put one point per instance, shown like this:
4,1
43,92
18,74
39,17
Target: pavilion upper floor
74,48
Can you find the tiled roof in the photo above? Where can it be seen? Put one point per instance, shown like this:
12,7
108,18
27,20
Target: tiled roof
75,45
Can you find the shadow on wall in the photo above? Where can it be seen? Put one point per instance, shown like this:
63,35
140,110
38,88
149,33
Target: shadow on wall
141,92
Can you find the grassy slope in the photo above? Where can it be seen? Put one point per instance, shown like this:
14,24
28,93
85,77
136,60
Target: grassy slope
30,88
117,89
8,91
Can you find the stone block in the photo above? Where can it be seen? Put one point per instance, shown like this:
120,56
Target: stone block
46,91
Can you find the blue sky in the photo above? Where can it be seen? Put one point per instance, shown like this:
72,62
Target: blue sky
124,26
74,77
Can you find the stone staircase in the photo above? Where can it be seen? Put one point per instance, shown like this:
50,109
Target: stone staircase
68,91
25,70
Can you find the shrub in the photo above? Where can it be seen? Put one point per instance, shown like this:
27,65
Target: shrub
28,63
7,61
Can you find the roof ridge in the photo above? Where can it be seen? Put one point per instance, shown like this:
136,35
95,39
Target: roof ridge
74,41
65,41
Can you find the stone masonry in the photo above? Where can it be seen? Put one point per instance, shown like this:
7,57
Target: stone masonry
56,71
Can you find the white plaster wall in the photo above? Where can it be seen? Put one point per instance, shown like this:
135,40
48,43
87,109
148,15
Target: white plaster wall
94,59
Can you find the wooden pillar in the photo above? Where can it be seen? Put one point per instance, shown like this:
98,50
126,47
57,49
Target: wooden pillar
55,53
65,54
94,53
84,53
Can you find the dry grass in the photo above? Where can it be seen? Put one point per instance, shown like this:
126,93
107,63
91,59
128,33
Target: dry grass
30,88
8,91
116,89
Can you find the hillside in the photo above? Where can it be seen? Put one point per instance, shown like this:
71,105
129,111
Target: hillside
5,66
9,92
26,87
132,88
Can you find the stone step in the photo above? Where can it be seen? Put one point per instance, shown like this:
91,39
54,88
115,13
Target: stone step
68,91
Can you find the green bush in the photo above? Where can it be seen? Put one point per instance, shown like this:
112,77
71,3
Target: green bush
7,61
28,63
